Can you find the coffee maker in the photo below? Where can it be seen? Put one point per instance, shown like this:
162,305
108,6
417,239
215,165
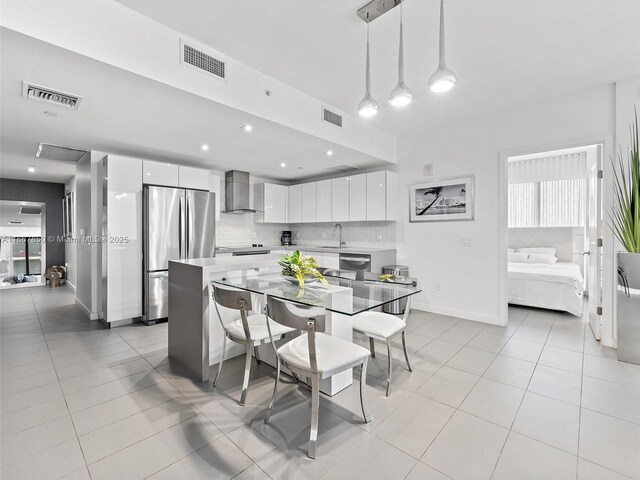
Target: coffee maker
285,239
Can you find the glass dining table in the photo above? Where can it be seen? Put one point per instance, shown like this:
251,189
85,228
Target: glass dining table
343,295
341,299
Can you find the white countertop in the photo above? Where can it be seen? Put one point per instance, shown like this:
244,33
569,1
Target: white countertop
224,263
317,248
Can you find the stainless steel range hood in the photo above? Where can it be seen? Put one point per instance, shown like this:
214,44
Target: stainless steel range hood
237,192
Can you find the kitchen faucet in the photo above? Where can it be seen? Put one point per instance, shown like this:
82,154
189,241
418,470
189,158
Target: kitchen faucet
340,243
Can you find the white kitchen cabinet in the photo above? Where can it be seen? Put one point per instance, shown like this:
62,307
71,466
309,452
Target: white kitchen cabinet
214,187
376,196
196,178
295,204
271,199
358,198
309,202
323,201
122,252
392,195
340,199
157,173
330,260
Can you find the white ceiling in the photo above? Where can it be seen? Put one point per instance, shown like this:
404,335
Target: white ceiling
11,211
505,52
127,114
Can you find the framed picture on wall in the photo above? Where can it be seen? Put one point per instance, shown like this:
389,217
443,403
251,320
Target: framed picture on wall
67,215
442,200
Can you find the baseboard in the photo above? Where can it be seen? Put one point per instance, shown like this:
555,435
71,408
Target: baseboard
125,321
88,313
71,286
452,312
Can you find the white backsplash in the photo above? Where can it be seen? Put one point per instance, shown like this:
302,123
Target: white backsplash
356,234
239,230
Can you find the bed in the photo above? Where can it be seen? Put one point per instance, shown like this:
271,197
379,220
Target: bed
557,286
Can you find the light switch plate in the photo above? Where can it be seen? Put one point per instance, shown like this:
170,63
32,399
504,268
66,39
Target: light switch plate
428,169
324,234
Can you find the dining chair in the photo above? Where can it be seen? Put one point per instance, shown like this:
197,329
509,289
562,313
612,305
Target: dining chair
378,325
315,355
384,327
249,330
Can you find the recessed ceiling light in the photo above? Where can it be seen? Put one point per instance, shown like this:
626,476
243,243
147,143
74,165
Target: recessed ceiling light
31,169
247,128
300,168
283,164
329,152
204,147
49,113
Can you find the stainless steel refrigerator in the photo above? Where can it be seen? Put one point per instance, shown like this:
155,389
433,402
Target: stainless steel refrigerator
178,224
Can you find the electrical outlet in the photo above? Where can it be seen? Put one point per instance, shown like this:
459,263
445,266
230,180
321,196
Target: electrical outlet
464,242
438,287
324,235
379,236
428,169
298,234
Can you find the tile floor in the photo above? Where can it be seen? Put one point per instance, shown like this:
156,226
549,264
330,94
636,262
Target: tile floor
538,399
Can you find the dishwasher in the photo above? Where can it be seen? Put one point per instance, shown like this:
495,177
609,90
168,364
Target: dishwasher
358,263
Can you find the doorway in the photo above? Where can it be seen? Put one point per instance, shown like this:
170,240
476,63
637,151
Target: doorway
554,229
22,249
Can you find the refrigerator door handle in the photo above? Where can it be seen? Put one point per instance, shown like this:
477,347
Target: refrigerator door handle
187,236
180,227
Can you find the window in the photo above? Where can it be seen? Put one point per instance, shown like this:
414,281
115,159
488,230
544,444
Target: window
26,255
551,203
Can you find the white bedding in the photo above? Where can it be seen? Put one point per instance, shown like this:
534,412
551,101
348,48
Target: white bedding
557,287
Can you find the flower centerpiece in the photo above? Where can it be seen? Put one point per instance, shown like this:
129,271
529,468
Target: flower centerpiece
299,268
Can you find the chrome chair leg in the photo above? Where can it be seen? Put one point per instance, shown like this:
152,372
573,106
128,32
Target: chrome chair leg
389,366
406,352
372,347
363,390
275,392
224,349
315,409
247,373
257,354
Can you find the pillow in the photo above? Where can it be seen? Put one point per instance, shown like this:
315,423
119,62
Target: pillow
547,250
511,250
542,258
518,257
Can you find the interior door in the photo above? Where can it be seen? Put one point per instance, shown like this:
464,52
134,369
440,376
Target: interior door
201,224
594,231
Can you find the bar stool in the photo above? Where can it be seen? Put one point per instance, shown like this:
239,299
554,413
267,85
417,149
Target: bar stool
314,354
249,330
384,326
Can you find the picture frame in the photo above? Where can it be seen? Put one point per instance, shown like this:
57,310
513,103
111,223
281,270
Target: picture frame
441,200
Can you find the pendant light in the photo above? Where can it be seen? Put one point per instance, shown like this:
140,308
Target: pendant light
368,107
401,95
443,79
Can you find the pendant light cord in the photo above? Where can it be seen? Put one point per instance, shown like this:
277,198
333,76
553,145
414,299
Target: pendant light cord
401,49
442,62
368,73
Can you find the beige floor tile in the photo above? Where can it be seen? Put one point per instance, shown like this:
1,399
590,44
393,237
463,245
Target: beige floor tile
36,439
509,370
449,386
522,349
562,359
422,471
50,464
527,459
493,401
591,471
555,383
467,448
488,342
471,360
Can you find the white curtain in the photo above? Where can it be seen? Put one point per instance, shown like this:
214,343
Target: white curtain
6,257
548,191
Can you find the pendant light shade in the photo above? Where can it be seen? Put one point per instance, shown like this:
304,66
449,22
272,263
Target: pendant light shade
368,107
443,79
401,95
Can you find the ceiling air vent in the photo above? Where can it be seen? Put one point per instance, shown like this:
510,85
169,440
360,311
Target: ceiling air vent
30,210
331,117
198,59
49,95
57,152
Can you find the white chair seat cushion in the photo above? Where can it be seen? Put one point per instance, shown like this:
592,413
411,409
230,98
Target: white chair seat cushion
378,324
257,327
331,352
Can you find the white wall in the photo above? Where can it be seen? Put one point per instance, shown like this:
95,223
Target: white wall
70,247
469,277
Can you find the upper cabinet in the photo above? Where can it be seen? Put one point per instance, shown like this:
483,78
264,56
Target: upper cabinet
324,201
309,202
340,199
358,198
157,173
295,204
381,195
272,200
196,178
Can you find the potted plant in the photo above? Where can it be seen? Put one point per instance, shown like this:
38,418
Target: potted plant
626,226
298,269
